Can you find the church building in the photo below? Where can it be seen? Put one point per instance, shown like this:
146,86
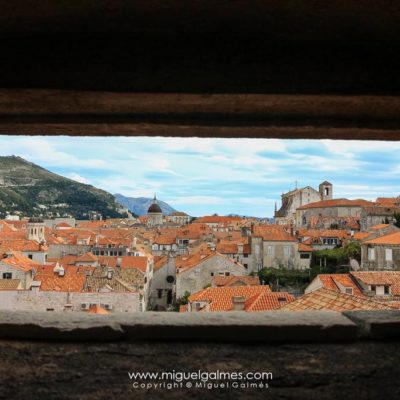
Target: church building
296,198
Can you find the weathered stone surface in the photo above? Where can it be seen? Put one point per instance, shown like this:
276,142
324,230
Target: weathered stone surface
38,370
377,324
269,327
57,326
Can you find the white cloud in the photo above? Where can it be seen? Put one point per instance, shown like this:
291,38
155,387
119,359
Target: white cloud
78,178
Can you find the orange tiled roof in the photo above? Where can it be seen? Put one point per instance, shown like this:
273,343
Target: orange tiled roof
331,281
63,225
139,263
233,280
391,278
337,203
22,245
52,281
361,235
273,233
257,298
326,299
389,239
305,248
388,201
109,261
215,219
165,239
268,301
159,262
19,261
87,257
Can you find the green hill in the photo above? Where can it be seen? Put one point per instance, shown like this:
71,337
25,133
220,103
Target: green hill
29,190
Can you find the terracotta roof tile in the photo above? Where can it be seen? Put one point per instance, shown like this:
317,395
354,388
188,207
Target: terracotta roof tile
19,261
234,280
389,239
9,284
332,282
257,298
134,262
337,203
273,233
391,278
325,299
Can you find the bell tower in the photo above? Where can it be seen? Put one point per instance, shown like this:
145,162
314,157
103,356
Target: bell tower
35,230
326,190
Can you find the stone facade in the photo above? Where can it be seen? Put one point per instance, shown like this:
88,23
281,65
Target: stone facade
277,254
196,278
380,257
326,217
300,197
162,288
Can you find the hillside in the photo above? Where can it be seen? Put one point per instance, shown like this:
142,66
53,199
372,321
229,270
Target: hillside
140,205
30,190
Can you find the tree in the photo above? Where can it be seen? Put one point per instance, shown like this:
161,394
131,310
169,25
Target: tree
396,217
182,300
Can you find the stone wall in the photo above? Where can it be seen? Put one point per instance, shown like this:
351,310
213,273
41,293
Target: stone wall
32,300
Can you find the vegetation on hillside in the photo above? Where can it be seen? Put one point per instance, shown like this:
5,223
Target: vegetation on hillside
30,190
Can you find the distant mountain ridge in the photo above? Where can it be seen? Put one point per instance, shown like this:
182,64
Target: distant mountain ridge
30,190
140,205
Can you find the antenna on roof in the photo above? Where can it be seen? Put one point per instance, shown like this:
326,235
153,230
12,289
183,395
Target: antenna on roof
295,182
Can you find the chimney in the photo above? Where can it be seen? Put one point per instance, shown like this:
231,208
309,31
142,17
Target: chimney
238,303
61,272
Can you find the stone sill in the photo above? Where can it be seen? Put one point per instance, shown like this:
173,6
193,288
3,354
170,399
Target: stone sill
68,112
265,327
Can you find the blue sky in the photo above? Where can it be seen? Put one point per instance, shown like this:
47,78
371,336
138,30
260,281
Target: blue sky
206,176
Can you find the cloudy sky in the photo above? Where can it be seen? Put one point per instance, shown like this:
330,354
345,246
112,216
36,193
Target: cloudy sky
206,176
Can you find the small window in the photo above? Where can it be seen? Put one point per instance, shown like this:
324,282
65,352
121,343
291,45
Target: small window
49,309
373,288
7,275
227,273
30,256
349,290
389,254
305,255
159,293
387,290
371,253
269,250
245,265
212,273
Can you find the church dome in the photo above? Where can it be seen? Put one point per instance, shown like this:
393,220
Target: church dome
154,208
